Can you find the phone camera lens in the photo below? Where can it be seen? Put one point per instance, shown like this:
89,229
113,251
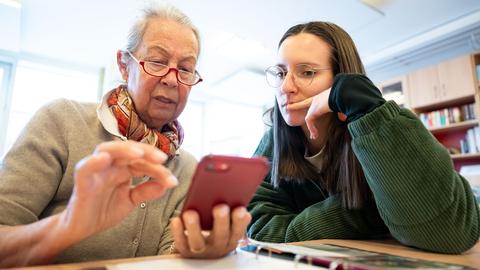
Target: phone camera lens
210,167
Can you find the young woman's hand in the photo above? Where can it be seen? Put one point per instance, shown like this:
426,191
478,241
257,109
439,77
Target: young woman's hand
228,229
103,193
317,106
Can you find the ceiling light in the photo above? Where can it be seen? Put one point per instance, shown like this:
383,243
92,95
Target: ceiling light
375,5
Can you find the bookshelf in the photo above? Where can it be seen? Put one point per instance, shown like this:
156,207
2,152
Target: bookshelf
465,156
446,96
463,125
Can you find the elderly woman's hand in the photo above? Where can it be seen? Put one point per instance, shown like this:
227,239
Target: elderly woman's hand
103,193
228,229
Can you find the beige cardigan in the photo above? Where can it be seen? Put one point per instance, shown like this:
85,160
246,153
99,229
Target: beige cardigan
36,181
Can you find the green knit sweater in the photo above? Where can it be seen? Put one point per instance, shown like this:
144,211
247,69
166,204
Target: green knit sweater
419,198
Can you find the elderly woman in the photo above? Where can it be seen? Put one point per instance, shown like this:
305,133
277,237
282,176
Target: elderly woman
61,203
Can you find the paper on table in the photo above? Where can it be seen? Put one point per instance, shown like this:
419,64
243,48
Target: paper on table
240,260
306,251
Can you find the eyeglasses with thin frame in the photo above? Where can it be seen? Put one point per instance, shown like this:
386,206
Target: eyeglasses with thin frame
157,69
303,75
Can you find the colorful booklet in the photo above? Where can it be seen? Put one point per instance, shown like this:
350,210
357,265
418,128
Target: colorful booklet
342,258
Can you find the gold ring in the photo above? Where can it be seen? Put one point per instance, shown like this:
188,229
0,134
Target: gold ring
198,251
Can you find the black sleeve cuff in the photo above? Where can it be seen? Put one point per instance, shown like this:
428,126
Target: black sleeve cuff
354,95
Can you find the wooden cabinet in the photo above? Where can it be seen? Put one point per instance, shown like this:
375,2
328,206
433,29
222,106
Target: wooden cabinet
423,87
456,78
443,83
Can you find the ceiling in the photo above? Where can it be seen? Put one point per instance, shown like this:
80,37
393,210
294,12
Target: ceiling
239,37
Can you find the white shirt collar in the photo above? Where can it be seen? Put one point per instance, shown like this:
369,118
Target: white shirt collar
315,160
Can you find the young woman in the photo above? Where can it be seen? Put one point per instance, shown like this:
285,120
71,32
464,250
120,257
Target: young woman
348,164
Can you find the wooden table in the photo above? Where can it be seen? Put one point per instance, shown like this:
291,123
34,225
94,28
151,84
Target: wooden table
470,258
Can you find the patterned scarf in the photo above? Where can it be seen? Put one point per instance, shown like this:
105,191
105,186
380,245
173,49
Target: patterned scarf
168,139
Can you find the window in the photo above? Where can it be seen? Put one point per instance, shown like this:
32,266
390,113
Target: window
223,128
233,129
5,69
192,121
37,84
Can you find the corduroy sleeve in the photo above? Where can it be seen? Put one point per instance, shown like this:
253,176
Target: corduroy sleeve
276,218
279,214
272,212
423,201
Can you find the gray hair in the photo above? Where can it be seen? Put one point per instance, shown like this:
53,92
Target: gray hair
162,11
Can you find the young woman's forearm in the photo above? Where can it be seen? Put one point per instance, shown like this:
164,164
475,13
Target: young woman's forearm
36,243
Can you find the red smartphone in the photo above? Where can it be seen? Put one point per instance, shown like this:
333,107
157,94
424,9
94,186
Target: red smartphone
223,179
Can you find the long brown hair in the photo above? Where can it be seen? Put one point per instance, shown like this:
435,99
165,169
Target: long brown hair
341,171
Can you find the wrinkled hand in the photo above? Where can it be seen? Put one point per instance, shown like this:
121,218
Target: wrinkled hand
228,229
317,106
103,193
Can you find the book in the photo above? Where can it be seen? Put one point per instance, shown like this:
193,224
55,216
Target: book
341,258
